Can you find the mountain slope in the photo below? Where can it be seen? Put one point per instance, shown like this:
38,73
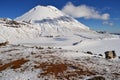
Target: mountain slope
11,30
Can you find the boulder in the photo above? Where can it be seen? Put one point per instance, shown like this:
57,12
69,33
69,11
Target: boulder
118,57
89,52
4,43
100,55
110,54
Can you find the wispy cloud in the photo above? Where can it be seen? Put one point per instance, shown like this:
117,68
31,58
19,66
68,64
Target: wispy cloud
84,11
108,23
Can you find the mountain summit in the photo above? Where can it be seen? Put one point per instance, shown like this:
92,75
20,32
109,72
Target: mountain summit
40,12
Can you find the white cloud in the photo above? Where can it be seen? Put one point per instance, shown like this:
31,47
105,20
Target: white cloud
108,23
84,11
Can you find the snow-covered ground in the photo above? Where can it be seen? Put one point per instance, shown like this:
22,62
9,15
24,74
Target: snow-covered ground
59,58
27,62
97,46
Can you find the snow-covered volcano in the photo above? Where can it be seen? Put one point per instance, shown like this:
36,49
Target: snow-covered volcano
51,20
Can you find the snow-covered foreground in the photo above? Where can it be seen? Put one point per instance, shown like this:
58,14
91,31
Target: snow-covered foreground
33,62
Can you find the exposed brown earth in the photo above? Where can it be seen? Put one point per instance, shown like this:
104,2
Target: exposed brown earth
14,64
61,70
52,68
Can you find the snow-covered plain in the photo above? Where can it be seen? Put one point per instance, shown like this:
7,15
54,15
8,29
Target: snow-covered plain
57,64
53,46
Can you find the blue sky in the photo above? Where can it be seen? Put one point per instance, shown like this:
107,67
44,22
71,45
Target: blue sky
109,22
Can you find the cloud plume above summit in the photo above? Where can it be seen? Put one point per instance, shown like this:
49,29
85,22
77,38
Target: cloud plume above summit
84,11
